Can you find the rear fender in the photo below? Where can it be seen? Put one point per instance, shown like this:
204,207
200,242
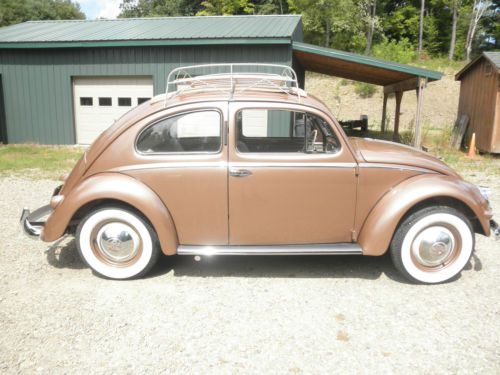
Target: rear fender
114,186
377,231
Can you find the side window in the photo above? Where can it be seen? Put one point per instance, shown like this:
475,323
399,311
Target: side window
188,132
276,130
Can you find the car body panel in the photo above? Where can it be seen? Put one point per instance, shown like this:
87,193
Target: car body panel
116,187
378,228
383,152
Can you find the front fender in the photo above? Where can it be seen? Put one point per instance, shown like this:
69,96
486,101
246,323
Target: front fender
378,228
115,186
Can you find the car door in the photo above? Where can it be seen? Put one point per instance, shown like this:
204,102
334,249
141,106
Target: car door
289,181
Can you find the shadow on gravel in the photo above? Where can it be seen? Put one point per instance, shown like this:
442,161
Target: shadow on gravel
64,254
358,267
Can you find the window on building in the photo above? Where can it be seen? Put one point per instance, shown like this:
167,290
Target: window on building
105,102
142,100
124,102
86,101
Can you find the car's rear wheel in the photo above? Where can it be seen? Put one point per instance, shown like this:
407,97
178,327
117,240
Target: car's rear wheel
117,243
432,245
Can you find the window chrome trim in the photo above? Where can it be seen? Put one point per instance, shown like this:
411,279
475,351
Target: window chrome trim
154,122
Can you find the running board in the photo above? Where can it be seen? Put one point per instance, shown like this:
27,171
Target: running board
313,249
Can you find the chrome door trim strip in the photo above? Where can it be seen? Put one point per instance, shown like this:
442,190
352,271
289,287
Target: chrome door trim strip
223,164
290,165
310,249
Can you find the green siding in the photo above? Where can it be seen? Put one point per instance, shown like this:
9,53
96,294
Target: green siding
279,123
3,130
37,84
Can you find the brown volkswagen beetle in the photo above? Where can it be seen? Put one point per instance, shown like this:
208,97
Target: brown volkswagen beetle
245,163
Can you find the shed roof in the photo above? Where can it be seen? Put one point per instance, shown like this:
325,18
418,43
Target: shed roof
492,57
358,67
151,31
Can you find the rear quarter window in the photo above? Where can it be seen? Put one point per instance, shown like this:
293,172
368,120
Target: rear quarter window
184,133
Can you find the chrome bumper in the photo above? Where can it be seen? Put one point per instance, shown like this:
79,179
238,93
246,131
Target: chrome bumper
495,229
33,222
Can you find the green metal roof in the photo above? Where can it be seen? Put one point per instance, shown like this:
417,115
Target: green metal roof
431,75
151,31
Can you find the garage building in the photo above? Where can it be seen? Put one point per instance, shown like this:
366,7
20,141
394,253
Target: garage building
63,82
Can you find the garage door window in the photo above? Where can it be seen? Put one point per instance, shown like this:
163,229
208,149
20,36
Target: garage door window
105,102
185,133
142,100
86,101
125,102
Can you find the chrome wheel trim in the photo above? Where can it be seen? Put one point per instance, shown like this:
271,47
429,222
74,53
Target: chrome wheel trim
433,246
455,261
96,259
117,242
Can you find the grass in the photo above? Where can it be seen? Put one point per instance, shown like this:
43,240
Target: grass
36,161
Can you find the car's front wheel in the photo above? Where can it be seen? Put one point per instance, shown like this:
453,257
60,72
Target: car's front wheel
117,243
432,245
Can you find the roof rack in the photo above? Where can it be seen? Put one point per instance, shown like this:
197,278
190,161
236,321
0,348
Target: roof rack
231,78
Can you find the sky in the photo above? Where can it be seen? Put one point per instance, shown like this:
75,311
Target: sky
100,8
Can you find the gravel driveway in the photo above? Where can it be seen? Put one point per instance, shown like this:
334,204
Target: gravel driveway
251,315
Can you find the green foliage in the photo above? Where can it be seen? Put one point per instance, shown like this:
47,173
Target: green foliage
364,90
401,51
16,11
225,7
155,8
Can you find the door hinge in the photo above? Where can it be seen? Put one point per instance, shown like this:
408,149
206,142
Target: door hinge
354,235
356,170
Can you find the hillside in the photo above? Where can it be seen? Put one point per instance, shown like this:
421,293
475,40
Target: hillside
440,102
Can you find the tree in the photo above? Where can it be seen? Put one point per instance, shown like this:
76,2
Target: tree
455,6
372,21
226,7
421,27
16,11
155,8
478,11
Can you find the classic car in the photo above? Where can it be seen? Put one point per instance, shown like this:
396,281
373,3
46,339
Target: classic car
246,163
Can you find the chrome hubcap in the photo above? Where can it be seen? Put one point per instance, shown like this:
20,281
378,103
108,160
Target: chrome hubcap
433,246
118,242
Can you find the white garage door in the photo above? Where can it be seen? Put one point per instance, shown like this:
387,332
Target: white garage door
101,101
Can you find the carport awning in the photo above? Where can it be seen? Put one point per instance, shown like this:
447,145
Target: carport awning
391,75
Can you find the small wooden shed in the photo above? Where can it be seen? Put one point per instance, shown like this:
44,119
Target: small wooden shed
480,100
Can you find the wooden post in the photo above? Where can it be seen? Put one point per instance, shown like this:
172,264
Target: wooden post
418,121
384,110
399,97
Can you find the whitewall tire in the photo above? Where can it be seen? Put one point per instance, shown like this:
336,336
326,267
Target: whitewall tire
433,245
117,243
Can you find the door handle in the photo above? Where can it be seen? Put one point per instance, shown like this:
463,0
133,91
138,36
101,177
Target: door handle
235,172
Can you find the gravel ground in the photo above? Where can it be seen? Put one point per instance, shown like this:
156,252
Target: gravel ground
251,315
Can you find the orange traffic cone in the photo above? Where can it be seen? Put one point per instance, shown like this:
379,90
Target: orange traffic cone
472,147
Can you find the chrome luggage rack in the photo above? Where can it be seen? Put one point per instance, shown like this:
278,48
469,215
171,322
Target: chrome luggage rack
231,78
